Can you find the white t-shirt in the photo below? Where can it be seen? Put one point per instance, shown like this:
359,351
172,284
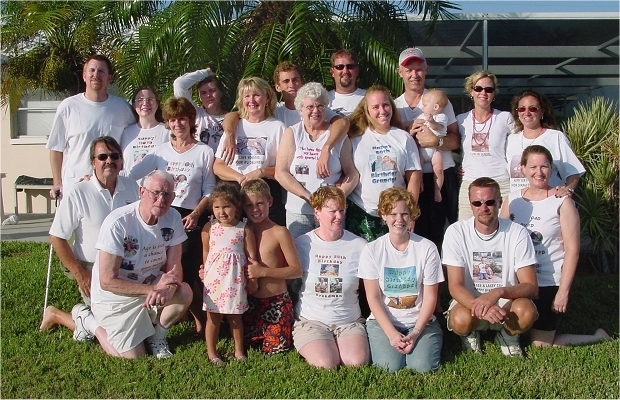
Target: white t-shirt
78,121
411,114
401,275
303,166
143,248
291,117
484,150
257,145
329,293
192,171
505,252
565,162
441,119
344,104
83,209
542,220
209,127
137,143
381,161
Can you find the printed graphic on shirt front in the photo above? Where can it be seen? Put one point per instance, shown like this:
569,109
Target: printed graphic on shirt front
480,142
143,146
383,165
141,263
517,179
180,171
166,234
212,133
329,282
400,286
487,270
302,169
251,151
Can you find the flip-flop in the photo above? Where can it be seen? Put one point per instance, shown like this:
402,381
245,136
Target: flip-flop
216,361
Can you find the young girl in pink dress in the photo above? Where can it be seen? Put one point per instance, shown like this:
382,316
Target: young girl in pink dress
227,244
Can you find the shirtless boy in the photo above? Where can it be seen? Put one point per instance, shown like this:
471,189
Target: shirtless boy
278,262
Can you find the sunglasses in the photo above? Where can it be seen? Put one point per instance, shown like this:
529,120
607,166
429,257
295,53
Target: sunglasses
104,156
488,203
532,109
488,89
340,67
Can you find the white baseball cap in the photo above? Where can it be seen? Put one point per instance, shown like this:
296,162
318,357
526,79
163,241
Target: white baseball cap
410,54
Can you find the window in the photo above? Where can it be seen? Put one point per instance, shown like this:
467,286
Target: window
35,116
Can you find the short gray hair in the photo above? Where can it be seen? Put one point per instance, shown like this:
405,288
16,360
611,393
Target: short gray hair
311,90
159,174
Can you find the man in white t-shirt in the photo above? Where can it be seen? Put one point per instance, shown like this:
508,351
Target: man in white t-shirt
412,68
502,303
137,289
80,215
81,118
346,95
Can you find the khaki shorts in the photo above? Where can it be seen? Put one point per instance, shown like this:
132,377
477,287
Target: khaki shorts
483,325
306,331
127,324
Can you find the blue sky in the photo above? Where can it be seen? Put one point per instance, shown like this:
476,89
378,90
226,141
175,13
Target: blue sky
525,6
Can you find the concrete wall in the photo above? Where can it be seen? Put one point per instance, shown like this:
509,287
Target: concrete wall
21,157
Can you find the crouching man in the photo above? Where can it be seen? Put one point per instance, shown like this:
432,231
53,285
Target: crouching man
501,300
137,289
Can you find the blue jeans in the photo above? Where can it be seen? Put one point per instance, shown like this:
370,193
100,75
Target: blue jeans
425,356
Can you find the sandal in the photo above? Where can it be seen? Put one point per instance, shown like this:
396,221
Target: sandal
216,361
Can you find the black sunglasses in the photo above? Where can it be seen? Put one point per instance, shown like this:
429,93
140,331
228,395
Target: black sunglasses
487,89
340,67
104,156
488,203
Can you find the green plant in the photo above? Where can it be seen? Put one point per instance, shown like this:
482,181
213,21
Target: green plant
593,132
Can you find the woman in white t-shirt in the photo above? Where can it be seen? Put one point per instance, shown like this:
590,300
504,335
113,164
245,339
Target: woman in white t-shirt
534,121
402,272
483,131
258,135
553,223
299,151
385,156
329,330
148,132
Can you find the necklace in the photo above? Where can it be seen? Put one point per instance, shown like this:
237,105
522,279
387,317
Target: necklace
523,146
492,235
480,133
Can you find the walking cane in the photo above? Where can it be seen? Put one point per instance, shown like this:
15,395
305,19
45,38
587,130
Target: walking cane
49,264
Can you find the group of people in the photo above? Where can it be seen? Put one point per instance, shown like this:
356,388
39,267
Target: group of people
242,215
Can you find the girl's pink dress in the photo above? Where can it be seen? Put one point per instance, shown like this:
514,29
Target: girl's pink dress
225,283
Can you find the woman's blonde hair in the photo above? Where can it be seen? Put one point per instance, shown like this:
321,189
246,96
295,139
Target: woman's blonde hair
258,85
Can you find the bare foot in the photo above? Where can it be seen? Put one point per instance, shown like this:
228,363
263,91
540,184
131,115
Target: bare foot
49,320
601,334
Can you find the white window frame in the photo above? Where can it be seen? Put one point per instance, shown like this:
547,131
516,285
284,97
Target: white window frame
25,139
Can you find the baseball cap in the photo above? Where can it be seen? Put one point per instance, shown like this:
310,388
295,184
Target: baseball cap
409,54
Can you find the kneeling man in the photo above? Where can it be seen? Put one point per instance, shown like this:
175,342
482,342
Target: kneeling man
137,289
500,301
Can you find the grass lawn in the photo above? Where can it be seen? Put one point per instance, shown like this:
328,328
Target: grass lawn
52,365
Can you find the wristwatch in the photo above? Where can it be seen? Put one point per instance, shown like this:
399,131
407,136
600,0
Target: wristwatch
440,143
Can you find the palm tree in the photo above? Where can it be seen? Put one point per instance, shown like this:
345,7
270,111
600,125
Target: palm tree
47,42
239,39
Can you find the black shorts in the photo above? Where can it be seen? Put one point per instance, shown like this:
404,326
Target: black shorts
191,258
547,319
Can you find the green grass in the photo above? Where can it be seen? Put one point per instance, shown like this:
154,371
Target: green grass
52,365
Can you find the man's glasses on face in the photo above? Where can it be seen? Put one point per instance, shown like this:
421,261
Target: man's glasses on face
156,194
104,156
340,67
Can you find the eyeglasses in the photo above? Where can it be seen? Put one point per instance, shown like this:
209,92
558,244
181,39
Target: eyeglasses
155,194
320,107
148,100
487,90
340,67
488,203
104,156
532,109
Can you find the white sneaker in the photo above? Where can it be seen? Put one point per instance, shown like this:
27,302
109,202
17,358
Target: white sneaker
472,342
79,312
158,347
509,344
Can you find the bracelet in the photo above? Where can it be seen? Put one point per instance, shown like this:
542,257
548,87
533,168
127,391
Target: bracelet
440,143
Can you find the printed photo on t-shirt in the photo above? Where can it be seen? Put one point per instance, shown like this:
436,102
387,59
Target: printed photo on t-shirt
329,269
302,169
400,286
487,270
328,286
515,167
251,150
480,142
